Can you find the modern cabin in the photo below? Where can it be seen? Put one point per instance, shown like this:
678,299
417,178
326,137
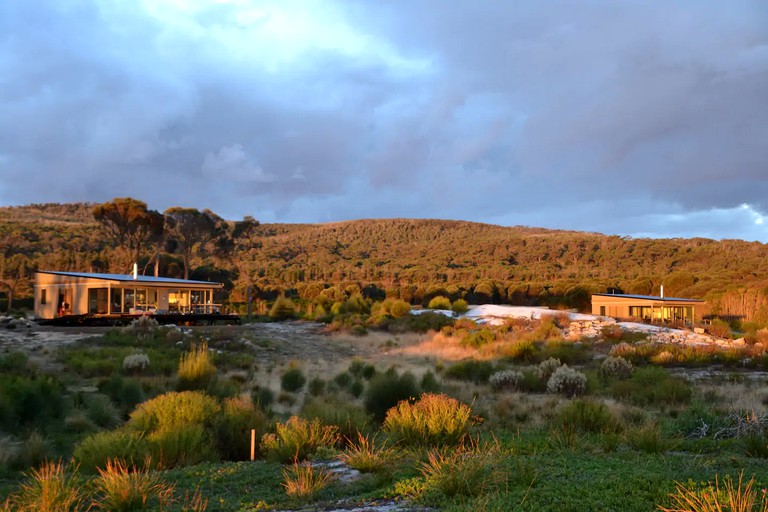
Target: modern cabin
645,307
61,294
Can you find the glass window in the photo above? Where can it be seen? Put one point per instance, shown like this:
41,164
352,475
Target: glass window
43,296
116,300
98,301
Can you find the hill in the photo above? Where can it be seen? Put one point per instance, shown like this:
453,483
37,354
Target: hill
417,259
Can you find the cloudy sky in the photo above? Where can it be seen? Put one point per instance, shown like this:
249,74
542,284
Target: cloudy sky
634,117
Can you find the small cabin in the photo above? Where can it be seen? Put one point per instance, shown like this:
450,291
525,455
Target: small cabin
59,294
648,308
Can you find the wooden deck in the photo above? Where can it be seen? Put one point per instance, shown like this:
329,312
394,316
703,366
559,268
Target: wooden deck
125,319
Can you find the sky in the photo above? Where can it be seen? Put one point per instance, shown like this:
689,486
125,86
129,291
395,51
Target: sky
629,117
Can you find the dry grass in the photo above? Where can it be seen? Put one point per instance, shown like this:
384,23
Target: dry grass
367,456
303,480
50,488
123,488
739,497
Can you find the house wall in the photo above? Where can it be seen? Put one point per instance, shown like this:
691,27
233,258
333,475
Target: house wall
74,291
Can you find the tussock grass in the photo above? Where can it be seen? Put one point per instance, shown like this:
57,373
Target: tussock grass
739,497
304,481
366,456
121,488
432,420
50,488
297,439
196,369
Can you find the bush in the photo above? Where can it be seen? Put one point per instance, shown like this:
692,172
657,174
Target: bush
567,381
282,309
460,306
34,402
349,419
429,382
144,328
623,350
385,390
431,420
316,386
52,487
298,439
396,308
102,411
519,350
293,379
135,363
567,352
196,369
440,302
263,398
587,416
479,338
121,487
174,410
547,367
506,379
97,449
720,328
615,368
648,439
470,370
184,445
652,386
366,457
546,331
233,427
472,471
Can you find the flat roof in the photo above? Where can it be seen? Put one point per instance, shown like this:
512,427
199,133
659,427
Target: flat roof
646,297
128,278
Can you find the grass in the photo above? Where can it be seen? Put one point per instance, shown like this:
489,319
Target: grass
366,456
297,439
431,420
739,497
304,481
121,488
50,488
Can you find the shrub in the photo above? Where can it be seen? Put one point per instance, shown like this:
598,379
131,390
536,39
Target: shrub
479,338
143,327
50,488
263,398
282,309
648,439
567,381
303,480
615,368
472,471
546,331
385,390
720,328
10,450
624,350
184,445
97,449
35,449
366,457
135,363
506,379
652,386
123,488
460,306
298,439
519,350
343,380
316,386
102,411
741,497
348,418
174,410
547,367
588,416
396,308
356,389
429,382
611,332
756,445
196,369
124,392
431,420
470,370
440,302
293,379
233,427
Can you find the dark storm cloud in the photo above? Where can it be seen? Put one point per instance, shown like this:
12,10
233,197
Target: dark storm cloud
631,117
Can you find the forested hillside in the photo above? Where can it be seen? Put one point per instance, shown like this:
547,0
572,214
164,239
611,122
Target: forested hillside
412,259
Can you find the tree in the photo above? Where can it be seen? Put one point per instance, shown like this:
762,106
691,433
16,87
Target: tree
190,229
129,224
14,272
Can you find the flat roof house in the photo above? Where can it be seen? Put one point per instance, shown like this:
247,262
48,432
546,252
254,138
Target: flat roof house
645,307
60,294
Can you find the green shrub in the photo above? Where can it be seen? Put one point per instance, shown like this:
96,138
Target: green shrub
648,439
479,338
587,416
293,379
385,390
343,380
184,445
547,367
720,328
429,382
567,352
546,331
102,411
756,445
125,392
396,308
652,386
357,388
506,379
95,450
440,302
263,398
174,410
460,306
519,350
297,439
30,402
431,420
470,370
196,369
233,427
282,309
472,471
316,386
349,418
35,449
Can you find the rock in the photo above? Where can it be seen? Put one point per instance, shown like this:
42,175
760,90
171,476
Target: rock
699,330
740,342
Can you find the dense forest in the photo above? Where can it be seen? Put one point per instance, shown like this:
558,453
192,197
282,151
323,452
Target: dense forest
411,259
